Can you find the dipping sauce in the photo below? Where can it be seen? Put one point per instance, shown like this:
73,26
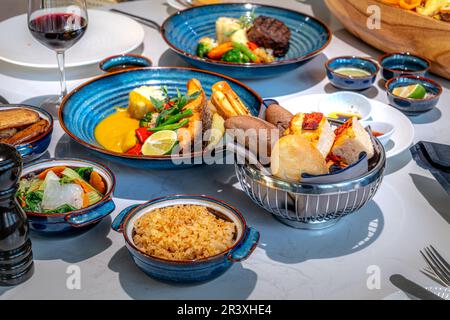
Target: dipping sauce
344,116
377,133
352,72
117,131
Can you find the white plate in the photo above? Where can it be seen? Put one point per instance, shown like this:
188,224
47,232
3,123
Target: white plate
403,135
107,34
176,5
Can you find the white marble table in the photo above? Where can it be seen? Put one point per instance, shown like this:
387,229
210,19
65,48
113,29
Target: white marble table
409,212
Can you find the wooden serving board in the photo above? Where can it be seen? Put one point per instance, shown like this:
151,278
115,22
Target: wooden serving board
401,30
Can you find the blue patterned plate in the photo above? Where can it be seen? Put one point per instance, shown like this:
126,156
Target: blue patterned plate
87,105
182,31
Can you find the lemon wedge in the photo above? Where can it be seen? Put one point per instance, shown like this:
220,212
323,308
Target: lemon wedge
160,143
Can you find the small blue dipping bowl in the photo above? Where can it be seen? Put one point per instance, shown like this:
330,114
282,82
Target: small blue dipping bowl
188,271
350,82
75,221
183,30
413,106
36,147
403,63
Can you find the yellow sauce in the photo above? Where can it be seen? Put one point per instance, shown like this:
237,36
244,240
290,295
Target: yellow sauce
117,131
344,115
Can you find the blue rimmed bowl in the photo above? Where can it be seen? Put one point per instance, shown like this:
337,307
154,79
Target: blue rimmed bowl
36,147
188,271
351,82
183,30
74,221
83,108
124,61
413,106
403,63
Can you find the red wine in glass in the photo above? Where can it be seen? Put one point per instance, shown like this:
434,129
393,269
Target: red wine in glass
58,31
58,25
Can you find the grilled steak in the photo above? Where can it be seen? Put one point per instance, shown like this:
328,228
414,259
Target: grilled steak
270,33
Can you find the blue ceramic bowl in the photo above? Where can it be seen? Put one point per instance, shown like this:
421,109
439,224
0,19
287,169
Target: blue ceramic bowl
75,221
192,270
36,147
124,61
349,82
183,30
83,108
403,63
413,106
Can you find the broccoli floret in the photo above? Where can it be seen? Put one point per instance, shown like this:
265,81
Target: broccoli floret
235,55
205,45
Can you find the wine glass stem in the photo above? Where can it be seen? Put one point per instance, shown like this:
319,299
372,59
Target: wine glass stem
61,60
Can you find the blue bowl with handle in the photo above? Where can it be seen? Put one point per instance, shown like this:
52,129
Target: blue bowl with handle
187,271
83,108
74,221
403,63
35,147
348,82
414,106
183,30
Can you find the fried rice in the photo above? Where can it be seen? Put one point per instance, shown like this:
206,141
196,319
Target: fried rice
183,232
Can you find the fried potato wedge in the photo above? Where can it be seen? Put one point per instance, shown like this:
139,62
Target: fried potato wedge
227,102
193,131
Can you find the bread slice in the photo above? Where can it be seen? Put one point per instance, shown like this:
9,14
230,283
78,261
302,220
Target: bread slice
315,128
16,118
351,140
294,155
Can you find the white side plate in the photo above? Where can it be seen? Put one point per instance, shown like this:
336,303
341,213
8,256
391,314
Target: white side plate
107,34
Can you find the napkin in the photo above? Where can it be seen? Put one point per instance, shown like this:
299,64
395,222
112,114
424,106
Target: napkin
434,157
351,172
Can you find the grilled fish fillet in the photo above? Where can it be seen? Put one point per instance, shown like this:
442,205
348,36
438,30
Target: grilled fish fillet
193,131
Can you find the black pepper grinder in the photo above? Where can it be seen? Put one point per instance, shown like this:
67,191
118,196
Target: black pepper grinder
16,257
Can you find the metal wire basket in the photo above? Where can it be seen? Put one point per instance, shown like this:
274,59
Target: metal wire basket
312,206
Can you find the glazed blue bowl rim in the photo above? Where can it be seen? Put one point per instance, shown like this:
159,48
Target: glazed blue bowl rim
107,196
246,65
37,109
185,196
143,157
387,55
124,55
374,63
424,79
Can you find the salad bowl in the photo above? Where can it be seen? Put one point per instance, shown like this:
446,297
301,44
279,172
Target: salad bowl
78,220
183,30
187,271
83,109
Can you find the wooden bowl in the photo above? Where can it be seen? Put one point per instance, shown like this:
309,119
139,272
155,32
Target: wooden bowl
401,30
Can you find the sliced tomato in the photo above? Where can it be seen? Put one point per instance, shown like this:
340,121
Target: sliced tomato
312,120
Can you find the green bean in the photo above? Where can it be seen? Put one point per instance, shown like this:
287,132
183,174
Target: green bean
177,117
173,126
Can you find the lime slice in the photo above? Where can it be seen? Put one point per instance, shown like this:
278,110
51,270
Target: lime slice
160,143
414,91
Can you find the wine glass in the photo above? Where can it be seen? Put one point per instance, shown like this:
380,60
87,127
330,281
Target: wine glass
58,25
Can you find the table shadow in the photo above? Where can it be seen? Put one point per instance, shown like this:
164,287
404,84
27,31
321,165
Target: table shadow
237,283
434,194
355,42
300,79
351,234
75,247
397,162
370,93
3,290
